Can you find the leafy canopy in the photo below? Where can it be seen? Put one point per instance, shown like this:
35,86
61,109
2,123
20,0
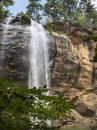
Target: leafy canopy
22,108
4,8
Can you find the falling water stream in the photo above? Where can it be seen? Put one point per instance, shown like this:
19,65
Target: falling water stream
38,54
4,39
39,63
6,27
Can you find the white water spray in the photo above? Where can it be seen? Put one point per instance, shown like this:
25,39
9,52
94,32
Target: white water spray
5,31
4,39
39,61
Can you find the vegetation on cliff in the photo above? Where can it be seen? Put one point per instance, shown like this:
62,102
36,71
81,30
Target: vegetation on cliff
4,8
22,108
73,11
95,40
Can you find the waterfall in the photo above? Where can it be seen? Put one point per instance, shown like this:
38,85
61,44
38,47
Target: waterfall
5,31
39,61
38,50
4,39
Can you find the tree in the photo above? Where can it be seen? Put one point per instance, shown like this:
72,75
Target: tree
25,109
88,11
4,7
7,3
2,12
79,17
33,9
53,9
69,9
94,17
60,10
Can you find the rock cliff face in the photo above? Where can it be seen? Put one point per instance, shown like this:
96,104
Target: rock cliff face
73,72
14,55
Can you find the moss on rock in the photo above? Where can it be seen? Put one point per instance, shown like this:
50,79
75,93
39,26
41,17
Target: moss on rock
25,20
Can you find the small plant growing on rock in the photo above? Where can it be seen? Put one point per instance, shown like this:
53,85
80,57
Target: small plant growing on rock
25,19
95,57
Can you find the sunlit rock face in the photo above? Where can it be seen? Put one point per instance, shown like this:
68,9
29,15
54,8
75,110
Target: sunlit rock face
75,75
73,63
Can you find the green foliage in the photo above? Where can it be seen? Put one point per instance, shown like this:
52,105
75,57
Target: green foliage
33,9
95,57
95,40
57,27
7,3
22,108
21,14
53,9
49,27
80,18
82,11
94,18
88,11
4,8
2,13
25,19
61,10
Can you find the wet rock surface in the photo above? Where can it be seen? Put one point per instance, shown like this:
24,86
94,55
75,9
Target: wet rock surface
14,51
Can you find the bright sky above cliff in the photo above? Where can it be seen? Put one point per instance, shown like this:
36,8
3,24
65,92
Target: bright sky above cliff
95,2
20,6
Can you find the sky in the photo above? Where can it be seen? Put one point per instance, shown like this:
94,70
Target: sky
94,2
20,6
